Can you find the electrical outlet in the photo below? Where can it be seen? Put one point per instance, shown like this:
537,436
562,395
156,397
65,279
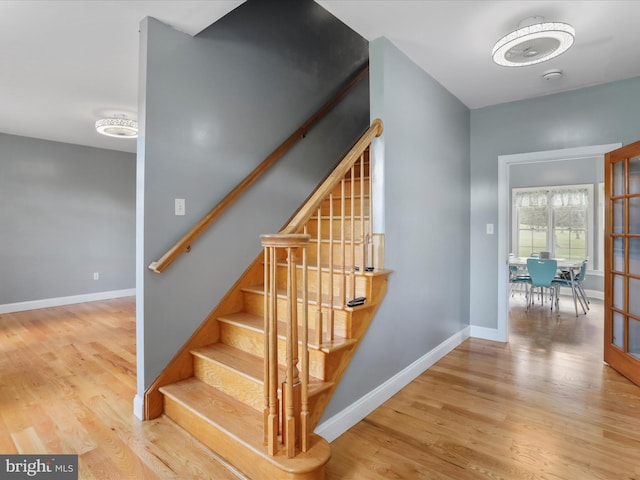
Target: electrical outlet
489,228
96,275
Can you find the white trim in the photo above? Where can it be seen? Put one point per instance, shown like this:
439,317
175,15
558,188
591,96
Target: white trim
504,162
551,221
342,421
486,333
595,294
591,294
138,407
56,302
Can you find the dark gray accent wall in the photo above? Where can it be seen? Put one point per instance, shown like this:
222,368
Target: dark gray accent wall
425,181
212,108
591,116
67,211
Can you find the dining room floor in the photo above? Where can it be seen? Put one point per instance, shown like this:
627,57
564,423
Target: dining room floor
541,329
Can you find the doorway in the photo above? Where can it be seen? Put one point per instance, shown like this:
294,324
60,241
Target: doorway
504,198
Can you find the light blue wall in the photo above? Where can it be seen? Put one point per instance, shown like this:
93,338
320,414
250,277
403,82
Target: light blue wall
212,108
425,151
67,211
592,116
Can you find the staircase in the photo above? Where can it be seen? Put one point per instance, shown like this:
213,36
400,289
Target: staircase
253,382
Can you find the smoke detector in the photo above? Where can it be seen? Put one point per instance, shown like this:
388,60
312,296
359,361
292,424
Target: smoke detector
552,74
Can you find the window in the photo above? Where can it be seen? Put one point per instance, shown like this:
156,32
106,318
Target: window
558,220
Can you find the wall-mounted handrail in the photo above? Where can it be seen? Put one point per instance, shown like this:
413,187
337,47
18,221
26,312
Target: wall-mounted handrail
184,244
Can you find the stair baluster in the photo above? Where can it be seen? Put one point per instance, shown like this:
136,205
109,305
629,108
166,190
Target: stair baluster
304,360
343,261
291,420
319,327
330,318
367,248
352,274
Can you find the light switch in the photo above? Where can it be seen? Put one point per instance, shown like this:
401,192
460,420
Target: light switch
180,206
489,228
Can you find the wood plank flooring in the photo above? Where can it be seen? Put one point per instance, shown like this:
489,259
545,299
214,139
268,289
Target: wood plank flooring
542,406
67,382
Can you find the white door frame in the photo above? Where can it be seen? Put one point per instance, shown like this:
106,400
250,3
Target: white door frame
504,198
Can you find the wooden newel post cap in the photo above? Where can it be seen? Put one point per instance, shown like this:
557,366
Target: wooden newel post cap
285,240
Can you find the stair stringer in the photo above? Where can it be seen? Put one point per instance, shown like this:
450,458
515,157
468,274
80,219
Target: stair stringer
181,365
338,360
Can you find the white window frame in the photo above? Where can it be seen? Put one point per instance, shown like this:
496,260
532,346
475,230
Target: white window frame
591,231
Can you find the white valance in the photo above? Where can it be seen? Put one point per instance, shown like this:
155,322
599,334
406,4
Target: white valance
567,197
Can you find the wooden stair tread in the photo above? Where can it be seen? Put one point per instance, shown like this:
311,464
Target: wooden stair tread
213,405
336,241
241,423
282,294
249,365
256,323
337,269
338,218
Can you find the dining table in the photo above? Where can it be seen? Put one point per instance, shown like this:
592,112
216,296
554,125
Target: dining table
564,265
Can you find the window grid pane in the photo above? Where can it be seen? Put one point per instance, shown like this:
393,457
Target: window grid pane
570,232
532,230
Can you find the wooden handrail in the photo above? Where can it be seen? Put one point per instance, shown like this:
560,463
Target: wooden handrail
184,244
310,207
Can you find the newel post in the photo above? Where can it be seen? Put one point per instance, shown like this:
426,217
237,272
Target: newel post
292,290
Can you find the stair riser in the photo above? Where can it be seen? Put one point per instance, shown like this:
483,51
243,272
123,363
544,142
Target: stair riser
325,208
245,460
254,304
340,282
229,381
312,253
357,167
252,342
337,191
359,227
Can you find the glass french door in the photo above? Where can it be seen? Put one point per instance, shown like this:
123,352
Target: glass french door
622,261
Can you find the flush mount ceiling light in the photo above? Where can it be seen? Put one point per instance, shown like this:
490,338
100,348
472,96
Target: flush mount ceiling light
533,42
119,127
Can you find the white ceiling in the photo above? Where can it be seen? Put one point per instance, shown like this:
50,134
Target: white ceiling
64,64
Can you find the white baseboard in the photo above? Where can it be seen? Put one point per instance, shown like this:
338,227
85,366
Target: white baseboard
56,302
138,407
595,294
487,333
341,422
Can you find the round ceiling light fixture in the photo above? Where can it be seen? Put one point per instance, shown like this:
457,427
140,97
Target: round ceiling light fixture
119,127
533,42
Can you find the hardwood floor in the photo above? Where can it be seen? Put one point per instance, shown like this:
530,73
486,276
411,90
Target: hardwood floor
67,382
542,406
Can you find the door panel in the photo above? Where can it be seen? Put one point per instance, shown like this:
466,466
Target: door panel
622,261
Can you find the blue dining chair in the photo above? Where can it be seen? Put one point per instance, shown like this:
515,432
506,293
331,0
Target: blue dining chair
542,273
519,279
564,280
